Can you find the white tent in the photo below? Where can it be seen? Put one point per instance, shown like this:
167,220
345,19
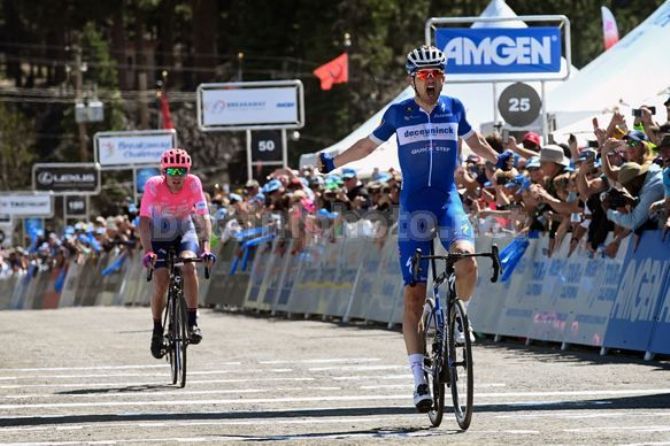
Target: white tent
631,73
478,99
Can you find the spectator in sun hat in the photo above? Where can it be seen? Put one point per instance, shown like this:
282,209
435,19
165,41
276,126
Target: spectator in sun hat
252,187
638,148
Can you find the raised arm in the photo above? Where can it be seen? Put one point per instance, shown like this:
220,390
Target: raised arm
478,144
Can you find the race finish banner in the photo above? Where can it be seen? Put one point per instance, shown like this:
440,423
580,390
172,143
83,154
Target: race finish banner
125,150
67,178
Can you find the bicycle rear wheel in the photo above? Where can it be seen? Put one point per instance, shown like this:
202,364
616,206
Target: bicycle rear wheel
433,363
460,366
180,340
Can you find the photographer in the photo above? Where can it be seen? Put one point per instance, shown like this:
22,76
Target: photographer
629,207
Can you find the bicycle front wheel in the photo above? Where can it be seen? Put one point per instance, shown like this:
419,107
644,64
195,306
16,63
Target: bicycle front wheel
434,362
170,311
181,340
460,365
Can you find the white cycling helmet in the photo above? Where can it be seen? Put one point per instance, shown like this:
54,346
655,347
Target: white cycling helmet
425,56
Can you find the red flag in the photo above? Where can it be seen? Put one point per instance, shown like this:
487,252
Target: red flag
334,72
165,110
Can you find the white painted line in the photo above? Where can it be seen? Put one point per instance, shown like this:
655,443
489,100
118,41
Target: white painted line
236,401
643,428
581,415
249,422
358,368
174,392
320,361
146,375
153,383
410,385
368,377
101,367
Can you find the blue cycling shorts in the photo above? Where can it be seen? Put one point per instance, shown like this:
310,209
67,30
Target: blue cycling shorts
425,215
185,242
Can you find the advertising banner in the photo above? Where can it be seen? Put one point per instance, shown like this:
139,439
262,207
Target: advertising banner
249,105
67,178
640,294
27,204
123,150
501,50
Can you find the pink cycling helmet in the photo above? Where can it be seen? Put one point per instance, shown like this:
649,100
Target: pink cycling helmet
175,158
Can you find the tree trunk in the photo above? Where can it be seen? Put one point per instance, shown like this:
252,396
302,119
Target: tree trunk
205,14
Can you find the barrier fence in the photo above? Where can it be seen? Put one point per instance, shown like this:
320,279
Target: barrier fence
571,299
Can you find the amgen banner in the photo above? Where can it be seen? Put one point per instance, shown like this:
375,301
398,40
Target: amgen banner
501,50
126,149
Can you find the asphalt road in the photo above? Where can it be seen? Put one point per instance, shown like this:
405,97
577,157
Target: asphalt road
85,376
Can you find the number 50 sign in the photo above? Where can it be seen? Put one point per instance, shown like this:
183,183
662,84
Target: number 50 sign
519,104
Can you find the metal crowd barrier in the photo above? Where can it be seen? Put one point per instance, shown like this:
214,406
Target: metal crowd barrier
571,299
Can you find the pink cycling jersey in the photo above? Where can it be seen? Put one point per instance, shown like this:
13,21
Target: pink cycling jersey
159,202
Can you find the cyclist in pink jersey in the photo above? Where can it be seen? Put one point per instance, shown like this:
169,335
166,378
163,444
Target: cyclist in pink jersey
170,203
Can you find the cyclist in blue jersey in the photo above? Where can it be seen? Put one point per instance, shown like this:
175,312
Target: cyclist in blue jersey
427,129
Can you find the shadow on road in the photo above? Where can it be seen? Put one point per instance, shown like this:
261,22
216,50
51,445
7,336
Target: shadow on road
655,401
142,388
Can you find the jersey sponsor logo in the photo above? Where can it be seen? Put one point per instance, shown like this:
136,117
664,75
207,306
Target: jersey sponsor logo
427,132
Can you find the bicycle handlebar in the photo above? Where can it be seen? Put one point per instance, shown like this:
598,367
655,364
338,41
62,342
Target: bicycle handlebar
452,258
180,261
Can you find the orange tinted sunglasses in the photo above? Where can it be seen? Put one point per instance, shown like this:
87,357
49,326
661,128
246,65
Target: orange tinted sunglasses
425,74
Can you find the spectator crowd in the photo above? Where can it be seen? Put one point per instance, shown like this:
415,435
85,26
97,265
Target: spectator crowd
617,183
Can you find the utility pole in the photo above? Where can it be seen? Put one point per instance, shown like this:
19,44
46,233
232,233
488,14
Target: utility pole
78,93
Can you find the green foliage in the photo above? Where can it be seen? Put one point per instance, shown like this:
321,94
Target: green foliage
16,157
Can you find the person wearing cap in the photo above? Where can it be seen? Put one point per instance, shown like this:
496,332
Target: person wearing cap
355,189
642,186
664,204
530,145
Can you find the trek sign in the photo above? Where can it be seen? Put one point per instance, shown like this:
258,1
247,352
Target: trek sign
501,50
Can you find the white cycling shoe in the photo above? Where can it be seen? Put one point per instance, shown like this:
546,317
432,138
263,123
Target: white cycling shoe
459,336
422,398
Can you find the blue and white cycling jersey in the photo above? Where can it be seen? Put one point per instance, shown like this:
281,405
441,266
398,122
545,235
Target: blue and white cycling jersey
427,143
427,151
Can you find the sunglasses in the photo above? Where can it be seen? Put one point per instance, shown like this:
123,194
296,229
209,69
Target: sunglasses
425,74
632,143
176,171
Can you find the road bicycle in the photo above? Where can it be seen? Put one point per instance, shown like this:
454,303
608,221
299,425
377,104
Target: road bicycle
174,316
448,360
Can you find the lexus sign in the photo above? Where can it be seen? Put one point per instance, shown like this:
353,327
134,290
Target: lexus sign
67,178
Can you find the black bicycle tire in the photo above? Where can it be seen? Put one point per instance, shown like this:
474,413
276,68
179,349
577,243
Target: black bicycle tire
463,413
181,346
435,384
170,308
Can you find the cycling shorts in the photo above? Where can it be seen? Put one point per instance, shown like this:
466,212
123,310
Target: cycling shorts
185,242
425,215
